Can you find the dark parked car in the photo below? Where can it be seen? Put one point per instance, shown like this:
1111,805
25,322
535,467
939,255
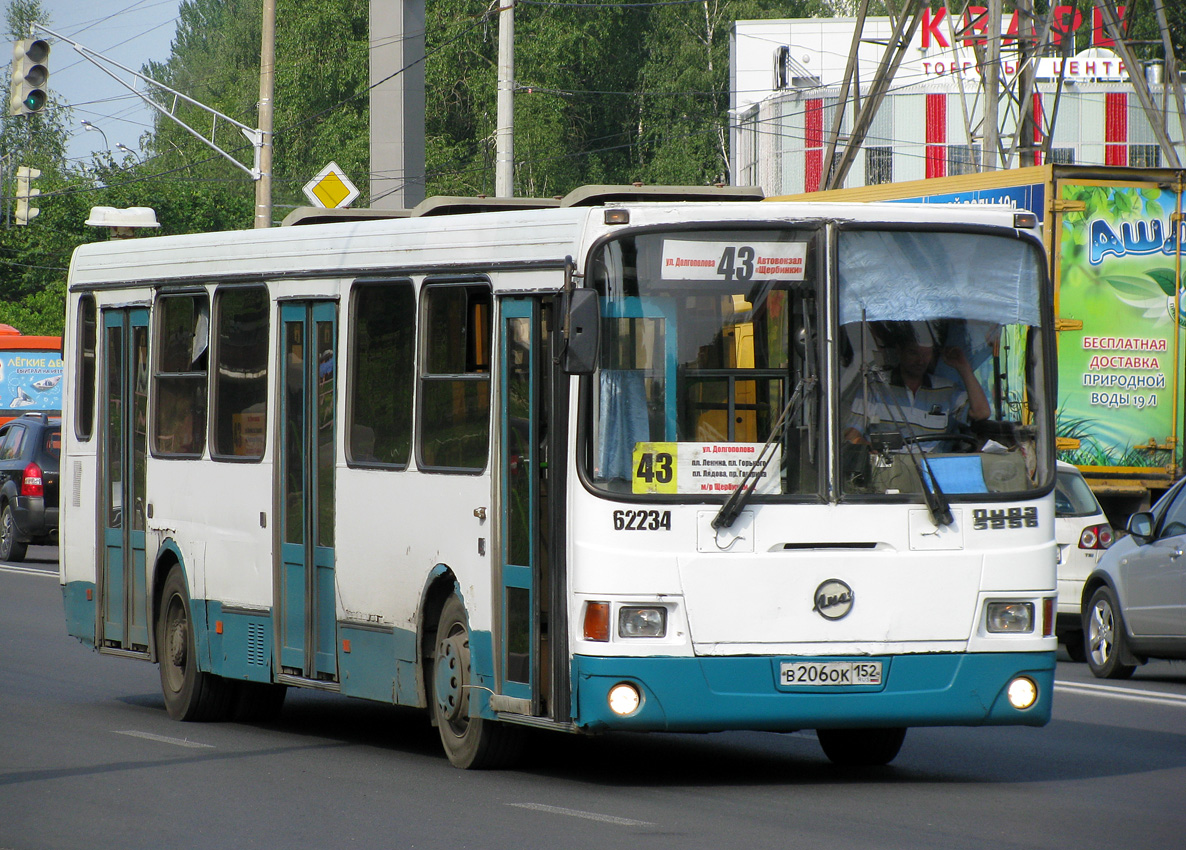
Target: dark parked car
1134,602
30,450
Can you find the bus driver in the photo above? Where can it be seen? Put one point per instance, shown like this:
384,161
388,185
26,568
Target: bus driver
918,401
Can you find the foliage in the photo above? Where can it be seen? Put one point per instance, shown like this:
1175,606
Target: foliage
684,86
320,98
606,93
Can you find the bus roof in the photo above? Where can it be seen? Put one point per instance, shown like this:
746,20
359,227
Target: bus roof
457,243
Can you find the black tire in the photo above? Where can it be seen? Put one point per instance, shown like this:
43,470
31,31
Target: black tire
471,743
1103,627
259,702
1076,646
861,747
190,694
10,548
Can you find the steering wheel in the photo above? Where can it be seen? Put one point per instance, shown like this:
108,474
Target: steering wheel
970,440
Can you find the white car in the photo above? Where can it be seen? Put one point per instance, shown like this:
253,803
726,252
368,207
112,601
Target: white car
1083,533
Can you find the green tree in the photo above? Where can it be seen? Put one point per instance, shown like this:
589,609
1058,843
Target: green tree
321,103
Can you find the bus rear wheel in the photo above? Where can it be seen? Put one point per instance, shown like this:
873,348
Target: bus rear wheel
861,747
470,742
190,694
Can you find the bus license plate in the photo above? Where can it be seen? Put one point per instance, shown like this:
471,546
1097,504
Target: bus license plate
829,673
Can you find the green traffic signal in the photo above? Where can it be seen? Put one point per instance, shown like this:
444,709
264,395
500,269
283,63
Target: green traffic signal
35,101
30,73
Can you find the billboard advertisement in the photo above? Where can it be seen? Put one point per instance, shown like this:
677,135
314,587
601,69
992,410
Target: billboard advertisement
30,380
1121,311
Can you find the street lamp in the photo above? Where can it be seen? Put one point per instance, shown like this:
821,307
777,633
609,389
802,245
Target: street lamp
89,126
121,146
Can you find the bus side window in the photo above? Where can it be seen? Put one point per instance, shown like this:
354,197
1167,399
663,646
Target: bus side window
382,373
183,334
241,332
84,410
455,378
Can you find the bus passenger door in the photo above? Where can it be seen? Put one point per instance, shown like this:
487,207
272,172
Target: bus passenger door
305,599
124,422
523,520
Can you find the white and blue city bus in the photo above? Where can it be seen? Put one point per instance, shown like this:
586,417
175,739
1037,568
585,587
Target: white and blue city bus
635,460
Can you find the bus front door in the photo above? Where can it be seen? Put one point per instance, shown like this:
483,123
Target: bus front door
305,599
124,421
526,538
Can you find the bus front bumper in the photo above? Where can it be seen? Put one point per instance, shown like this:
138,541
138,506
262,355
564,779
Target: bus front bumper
712,694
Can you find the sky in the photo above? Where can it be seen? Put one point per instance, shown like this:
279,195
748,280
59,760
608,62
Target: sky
130,32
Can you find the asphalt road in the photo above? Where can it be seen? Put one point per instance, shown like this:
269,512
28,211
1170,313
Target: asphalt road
89,759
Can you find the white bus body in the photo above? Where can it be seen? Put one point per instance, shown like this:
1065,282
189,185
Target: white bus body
365,457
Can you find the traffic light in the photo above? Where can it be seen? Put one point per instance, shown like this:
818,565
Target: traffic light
25,193
30,73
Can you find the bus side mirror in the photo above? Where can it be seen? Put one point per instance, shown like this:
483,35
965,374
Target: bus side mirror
582,332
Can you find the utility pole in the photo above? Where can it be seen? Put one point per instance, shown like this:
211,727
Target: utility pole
991,78
1027,53
267,85
504,137
398,175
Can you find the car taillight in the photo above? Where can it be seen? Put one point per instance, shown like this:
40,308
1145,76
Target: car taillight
1096,537
31,481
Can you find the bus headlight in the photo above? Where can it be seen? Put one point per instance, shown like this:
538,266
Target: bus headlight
1009,617
634,622
1022,693
624,699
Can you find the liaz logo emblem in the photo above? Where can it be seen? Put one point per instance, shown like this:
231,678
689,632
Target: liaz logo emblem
833,599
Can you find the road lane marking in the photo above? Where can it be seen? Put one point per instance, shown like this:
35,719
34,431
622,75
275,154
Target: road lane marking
161,739
1117,692
576,813
9,568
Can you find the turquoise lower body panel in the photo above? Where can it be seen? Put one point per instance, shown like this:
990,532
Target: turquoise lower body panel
713,694
232,643
78,598
378,664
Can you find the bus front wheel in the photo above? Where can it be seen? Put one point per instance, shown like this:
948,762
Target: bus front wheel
470,742
861,747
190,694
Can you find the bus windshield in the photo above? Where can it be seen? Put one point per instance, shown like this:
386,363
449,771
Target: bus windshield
941,364
706,335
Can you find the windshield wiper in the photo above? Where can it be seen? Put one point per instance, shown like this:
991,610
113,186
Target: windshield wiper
729,511
937,503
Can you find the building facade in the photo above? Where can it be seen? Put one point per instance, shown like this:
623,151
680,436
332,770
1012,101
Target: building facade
787,80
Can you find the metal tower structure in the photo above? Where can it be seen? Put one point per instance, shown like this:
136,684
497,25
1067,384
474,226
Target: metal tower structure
1006,100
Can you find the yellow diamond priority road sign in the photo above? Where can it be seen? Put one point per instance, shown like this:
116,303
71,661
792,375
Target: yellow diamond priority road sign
331,188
